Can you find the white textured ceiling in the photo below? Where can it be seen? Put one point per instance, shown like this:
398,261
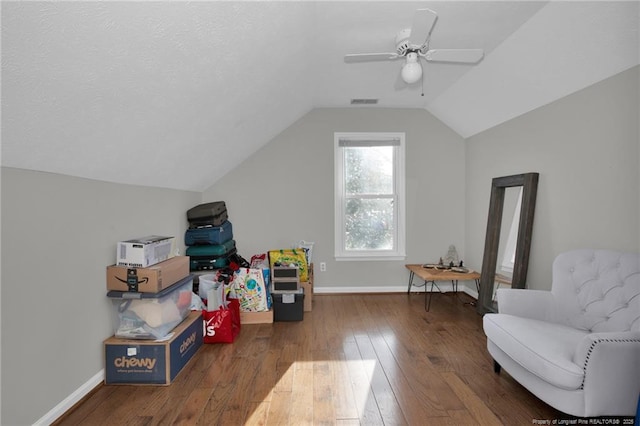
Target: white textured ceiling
176,94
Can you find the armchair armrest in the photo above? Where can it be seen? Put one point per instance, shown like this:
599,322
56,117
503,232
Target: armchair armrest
534,304
611,363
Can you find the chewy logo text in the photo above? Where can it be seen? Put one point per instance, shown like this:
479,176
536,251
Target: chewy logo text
124,362
188,342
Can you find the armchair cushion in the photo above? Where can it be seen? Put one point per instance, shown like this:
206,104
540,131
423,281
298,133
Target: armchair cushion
546,349
534,304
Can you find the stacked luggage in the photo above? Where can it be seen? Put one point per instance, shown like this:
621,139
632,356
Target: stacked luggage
209,239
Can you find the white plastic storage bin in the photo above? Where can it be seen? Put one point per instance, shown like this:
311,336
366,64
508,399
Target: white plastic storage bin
151,315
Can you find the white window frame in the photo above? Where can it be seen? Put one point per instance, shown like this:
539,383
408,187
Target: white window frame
399,250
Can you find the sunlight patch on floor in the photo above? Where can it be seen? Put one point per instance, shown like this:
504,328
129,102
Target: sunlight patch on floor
356,374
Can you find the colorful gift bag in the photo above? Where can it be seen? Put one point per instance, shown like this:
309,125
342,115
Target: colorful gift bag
288,257
222,325
249,287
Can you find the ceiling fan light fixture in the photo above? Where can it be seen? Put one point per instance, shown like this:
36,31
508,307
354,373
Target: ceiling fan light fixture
413,44
412,70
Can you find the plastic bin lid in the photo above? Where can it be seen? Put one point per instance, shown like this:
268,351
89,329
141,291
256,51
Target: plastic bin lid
298,291
136,295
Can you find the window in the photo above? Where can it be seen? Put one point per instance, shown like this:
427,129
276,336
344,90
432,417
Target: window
369,196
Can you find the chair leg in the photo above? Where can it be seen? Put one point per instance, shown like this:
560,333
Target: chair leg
496,367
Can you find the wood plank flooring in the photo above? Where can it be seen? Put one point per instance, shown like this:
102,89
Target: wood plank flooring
354,360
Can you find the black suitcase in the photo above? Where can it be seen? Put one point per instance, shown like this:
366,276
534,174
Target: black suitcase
208,263
207,214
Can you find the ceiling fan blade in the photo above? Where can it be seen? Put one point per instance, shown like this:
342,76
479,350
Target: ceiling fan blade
367,57
468,56
423,23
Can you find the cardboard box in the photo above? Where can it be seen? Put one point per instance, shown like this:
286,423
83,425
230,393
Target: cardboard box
288,306
145,251
151,279
265,317
308,295
140,362
308,291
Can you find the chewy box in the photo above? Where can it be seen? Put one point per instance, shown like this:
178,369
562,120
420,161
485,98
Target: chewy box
145,251
288,305
152,279
151,315
143,362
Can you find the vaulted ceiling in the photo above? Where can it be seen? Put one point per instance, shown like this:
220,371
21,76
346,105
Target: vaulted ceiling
175,94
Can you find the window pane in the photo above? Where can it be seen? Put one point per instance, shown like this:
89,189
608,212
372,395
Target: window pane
369,224
369,170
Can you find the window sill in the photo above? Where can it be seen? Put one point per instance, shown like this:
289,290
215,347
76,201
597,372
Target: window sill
369,258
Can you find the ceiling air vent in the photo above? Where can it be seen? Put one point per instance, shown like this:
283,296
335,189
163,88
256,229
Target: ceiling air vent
364,101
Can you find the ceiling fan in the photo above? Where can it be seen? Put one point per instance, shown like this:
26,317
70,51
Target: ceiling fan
413,45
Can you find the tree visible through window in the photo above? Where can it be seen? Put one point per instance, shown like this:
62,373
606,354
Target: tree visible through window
369,195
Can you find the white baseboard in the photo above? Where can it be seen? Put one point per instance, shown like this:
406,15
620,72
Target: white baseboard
393,289
56,412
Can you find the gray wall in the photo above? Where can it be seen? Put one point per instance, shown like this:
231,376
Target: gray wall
585,147
58,235
284,193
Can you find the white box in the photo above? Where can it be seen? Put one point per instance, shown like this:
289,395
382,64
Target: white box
145,251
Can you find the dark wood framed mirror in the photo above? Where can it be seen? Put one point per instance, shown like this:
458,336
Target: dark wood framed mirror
489,278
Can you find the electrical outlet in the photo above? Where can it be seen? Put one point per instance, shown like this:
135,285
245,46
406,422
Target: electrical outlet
323,266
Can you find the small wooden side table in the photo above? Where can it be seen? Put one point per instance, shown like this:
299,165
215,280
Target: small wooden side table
431,275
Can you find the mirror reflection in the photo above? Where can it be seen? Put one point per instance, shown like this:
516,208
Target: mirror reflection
508,239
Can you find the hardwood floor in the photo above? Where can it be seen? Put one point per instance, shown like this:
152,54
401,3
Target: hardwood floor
355,360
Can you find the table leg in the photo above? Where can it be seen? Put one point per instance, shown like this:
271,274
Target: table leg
427,294
411,273
472,303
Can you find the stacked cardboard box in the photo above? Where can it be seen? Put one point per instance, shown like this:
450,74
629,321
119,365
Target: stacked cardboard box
155,332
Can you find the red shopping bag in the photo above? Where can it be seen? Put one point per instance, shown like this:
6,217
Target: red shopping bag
222,325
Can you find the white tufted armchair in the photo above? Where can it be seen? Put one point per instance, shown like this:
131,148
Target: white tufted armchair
576,347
